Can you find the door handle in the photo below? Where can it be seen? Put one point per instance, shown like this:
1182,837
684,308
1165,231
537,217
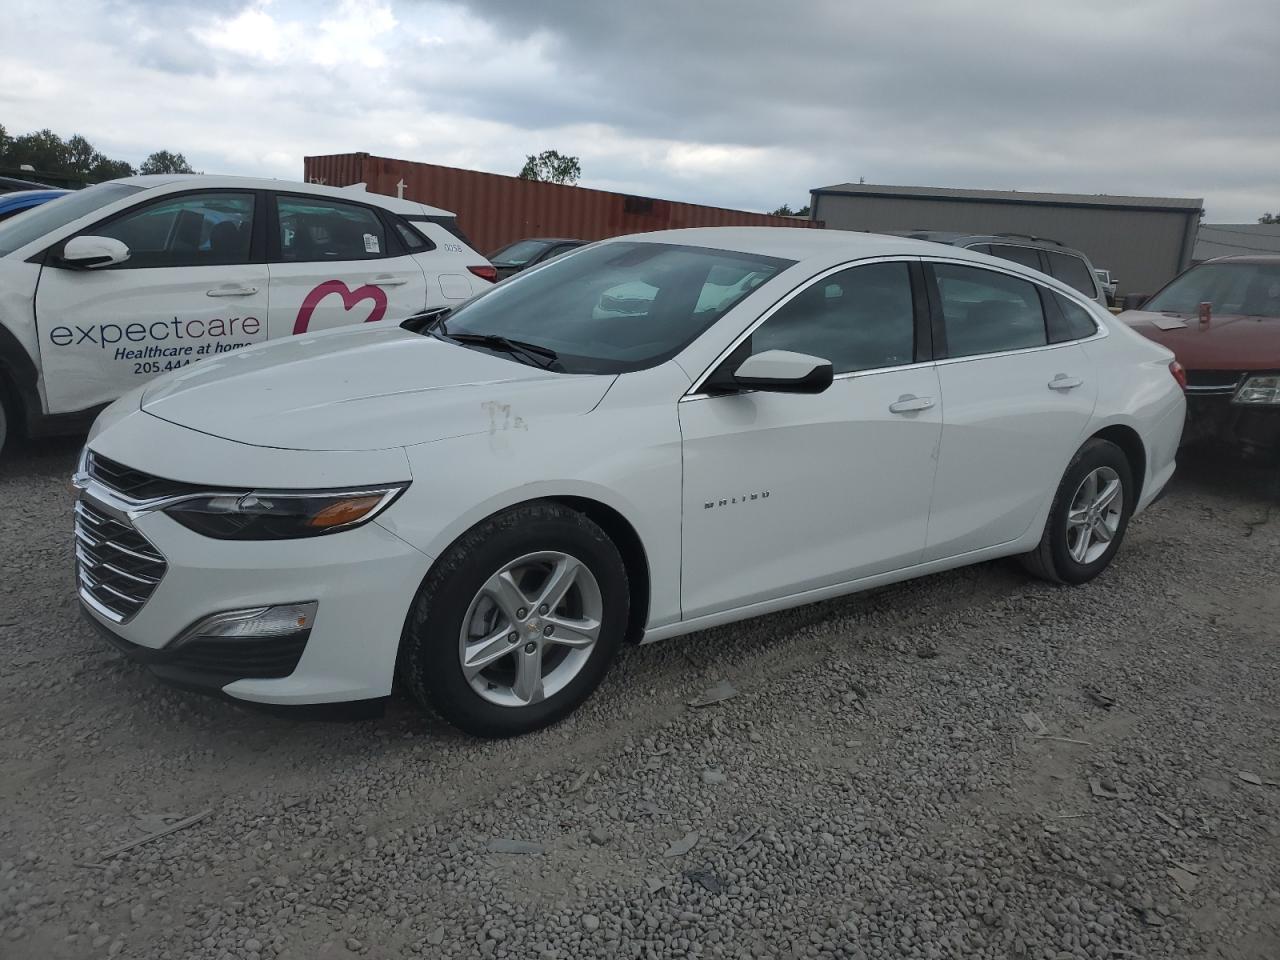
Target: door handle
388,281
230,291
910,403
1063,382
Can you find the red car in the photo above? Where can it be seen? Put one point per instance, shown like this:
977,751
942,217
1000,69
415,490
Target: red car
1221,319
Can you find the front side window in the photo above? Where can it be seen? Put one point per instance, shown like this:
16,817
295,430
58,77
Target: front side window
988,312
616,306
861,318
313,228
1248,289
1072,271
192,230
50,216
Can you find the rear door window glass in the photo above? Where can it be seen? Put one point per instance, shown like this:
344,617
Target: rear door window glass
988,312
1068,320
312,228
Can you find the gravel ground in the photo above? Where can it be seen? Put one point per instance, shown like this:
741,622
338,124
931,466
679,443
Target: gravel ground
971,765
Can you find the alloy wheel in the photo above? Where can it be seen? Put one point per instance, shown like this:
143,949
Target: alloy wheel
530,629
1094,516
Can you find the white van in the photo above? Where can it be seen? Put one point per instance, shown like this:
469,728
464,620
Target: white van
107,287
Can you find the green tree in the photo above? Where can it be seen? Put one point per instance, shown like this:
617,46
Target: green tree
786,211
163,161
551,166
1265,218
48,153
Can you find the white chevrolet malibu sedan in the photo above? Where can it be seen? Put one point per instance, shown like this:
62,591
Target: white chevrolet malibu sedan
646,437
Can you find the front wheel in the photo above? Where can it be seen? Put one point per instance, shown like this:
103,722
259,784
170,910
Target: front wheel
517,622
1089,516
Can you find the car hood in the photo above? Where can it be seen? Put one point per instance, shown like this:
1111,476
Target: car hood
1230,342
363,388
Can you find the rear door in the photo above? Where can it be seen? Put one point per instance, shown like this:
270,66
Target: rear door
336,262
1015,405
194,286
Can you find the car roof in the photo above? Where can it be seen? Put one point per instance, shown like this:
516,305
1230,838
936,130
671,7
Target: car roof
20,195
1247,258
354,192
800,243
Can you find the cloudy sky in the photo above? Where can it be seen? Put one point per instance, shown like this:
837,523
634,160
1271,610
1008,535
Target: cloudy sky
740,103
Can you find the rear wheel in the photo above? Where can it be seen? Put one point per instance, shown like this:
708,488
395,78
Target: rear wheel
4,416
518,622
1089,516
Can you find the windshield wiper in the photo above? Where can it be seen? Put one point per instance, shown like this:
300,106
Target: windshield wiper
533,353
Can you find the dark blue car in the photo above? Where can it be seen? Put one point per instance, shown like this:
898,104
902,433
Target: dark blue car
19,200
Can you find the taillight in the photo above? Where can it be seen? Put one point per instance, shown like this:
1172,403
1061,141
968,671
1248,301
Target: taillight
486,272
1179,374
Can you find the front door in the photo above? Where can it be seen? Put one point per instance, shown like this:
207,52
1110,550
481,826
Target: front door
188,291
1016,408
335,263
785,493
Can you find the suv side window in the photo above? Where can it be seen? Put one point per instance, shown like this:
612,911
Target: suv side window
191,230
312,228
861,318
1067,319
1072,271
988,312
1027,256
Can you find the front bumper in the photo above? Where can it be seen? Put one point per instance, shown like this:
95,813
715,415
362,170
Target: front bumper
363,581
1216,417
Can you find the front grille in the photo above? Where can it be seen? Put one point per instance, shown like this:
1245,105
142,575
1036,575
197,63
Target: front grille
134,484
118,568
1213,381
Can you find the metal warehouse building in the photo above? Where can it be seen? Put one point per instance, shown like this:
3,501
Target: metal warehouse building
1143,241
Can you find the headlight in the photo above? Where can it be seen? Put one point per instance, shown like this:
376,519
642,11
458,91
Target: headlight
1265,389
281,515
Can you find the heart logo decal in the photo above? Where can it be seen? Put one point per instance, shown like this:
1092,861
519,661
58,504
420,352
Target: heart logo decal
349,299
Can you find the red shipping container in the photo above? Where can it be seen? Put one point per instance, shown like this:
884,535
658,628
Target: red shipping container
494,210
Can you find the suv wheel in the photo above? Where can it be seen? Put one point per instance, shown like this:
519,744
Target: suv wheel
518,622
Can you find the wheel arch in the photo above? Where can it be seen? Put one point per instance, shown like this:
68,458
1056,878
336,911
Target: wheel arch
1130,443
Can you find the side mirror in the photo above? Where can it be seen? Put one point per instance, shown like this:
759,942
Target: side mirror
87,253
781,371
1134,301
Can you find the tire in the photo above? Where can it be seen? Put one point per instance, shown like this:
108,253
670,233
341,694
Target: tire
5,414
1059,558
493,695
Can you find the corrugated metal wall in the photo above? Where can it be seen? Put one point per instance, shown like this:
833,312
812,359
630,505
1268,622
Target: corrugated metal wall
1143,249
494,210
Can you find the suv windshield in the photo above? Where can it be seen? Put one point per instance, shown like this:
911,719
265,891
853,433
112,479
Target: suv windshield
1249,289
34,224
618,306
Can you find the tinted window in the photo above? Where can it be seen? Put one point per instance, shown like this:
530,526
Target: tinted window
519,253
316,229
192,230
1068,320
1072,271
988,312
414,241
1251,289
617,306
1027,256
859,319
58,213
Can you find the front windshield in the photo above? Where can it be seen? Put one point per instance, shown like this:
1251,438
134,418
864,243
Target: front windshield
519,253
1249,289
34,224
617,306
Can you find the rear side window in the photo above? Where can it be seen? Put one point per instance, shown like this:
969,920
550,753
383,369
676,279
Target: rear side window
413,241
312,228
1072,271
190,230
1027,256
988,312
449,223
1067,319
859,319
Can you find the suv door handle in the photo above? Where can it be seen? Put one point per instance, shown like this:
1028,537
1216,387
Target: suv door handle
1064,383
389,281
231,291
910,403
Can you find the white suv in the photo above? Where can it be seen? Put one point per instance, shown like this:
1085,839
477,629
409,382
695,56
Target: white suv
103,289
